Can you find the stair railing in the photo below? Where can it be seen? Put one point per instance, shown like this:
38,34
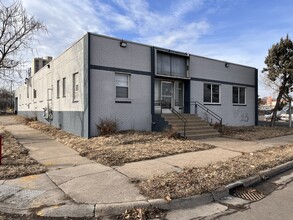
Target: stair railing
164,104
208,111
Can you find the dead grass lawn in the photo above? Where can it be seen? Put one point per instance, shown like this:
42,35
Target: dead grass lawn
198,180
16,161
253,133
121,148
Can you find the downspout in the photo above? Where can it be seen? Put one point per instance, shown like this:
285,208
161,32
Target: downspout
89,84
152,84
256,97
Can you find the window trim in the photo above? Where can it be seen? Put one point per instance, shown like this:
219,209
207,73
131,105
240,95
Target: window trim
220,94
238,102
123,100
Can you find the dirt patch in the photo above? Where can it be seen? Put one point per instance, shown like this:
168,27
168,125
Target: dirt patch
198,180
16,161
142,214
121,148
253,133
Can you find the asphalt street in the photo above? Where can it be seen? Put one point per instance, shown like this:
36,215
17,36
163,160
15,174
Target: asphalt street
278,205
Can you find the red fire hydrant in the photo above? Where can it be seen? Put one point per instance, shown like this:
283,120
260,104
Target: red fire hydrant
0,149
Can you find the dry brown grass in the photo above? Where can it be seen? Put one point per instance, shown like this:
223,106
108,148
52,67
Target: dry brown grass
198,180
16,161
253,133
125,147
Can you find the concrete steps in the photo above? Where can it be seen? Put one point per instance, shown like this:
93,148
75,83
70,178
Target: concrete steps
196,128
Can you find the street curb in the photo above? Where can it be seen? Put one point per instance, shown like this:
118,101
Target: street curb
181,203
198,200
269,173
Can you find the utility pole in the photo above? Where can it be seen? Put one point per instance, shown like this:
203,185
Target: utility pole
11,96
290,112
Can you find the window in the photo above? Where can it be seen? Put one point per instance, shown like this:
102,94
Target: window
35,93
58,89
239,95
211,93
171,65
122,86
75,83
64,87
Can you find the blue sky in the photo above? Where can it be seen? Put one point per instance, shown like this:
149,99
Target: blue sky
239,31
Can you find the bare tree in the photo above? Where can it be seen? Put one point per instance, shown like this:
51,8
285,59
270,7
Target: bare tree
17,30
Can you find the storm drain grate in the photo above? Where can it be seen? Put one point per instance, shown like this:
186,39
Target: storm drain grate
247,194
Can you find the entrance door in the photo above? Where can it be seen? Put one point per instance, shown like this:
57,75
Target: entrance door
167,96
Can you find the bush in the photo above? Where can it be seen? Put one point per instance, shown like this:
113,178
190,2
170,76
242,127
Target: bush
173,134
108,126
27,120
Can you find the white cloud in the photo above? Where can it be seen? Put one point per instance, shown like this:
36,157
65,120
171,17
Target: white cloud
182,7
66,22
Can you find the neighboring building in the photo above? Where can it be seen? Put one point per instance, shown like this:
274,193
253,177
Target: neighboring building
101,77
39,63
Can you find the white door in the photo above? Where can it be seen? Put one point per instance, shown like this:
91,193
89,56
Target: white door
167,96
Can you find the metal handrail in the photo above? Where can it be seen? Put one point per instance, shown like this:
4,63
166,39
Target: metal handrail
210,112
162,102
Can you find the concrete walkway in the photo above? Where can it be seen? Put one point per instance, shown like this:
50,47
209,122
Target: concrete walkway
77,187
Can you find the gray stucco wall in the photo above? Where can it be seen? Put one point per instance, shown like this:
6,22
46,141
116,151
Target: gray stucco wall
66,120
130,116
204,70
70,115
134,60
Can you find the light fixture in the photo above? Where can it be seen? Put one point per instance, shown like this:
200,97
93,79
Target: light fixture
48,65
123,44
227,65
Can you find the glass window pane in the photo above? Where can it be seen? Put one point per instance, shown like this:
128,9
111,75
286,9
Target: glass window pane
122,80
235,94
216,93
58,88
207,93
163,64
178,66
75,86
167,89
166,102
121,92
179,86
242,95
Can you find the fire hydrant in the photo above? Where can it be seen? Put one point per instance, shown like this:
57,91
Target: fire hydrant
0,149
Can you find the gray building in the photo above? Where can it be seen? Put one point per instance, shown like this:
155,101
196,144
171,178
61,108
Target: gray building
101,77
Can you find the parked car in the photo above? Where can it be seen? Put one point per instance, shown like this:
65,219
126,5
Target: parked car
268,117
285,117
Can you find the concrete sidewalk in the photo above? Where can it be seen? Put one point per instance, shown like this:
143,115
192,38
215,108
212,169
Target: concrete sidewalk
77,187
